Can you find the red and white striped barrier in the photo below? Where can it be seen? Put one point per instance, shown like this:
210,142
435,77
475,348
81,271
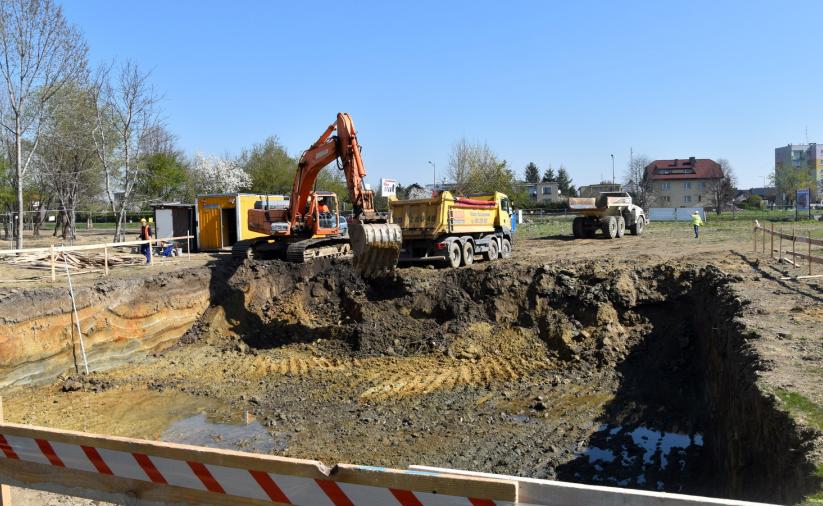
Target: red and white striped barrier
136,472
196,474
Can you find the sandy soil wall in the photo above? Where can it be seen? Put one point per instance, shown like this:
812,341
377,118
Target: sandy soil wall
119,319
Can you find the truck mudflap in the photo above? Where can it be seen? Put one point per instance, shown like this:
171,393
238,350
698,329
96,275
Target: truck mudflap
376,247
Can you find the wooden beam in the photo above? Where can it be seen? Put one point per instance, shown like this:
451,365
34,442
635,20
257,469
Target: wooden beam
5,491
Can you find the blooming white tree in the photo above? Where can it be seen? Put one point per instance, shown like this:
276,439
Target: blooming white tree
218,175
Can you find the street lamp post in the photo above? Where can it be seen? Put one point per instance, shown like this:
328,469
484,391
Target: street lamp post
612,169
434,176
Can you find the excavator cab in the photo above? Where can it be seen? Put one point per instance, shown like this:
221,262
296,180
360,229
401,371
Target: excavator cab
325,214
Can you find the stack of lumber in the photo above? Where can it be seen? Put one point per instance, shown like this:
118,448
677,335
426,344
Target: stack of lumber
76,260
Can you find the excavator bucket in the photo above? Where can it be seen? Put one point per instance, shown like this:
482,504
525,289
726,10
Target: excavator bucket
376,247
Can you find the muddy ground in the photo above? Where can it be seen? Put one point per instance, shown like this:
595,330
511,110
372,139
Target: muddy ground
577,360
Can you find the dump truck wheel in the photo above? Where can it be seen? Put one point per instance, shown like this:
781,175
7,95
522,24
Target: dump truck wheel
454,254
577,227
505,249
491,253
468,253
610,227
638,227
621,226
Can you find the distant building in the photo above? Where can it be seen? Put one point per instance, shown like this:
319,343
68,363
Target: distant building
769,195
444,186
593,190
806,156
682,182
543,192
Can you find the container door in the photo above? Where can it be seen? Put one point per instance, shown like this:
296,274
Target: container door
210,232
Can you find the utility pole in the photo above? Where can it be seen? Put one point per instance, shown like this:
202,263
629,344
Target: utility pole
434,176
612,169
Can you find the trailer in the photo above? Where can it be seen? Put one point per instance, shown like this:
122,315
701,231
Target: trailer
610,212
453,229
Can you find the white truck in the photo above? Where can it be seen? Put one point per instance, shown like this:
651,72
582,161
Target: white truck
611,212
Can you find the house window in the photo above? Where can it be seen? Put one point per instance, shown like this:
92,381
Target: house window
547,190
687,199
702,185
666,198
687,186
665,187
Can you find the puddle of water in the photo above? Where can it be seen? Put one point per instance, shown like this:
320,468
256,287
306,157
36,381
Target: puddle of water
638,456
166,415
248,437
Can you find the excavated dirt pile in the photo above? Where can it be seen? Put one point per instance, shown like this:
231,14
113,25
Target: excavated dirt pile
587,372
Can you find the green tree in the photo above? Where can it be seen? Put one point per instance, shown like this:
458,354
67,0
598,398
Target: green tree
475,169
549,176
165,177
788,180
532,173
564,182
270,167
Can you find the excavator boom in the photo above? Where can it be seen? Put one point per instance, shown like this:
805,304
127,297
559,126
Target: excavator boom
375,242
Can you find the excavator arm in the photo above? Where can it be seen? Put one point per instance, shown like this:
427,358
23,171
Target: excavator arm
375,242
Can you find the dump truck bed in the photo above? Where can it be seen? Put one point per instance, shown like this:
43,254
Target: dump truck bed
446,214
604,203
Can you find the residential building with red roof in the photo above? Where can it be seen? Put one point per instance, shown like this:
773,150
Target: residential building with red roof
687,182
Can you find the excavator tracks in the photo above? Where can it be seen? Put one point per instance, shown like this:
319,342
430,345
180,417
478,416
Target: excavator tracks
309,249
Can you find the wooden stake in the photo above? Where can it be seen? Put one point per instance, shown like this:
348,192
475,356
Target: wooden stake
188,244
106,260
771,251
5,491
809,237
53,270
780,246
754,237
151,253
793,245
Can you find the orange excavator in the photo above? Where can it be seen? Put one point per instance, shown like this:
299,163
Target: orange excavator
312,226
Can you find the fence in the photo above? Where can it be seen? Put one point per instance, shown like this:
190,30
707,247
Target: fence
55,250
138,472
793,238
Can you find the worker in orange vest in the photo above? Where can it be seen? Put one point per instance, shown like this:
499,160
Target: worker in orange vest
145,235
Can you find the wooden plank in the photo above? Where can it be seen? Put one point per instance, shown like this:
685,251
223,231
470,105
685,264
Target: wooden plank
533,491
436,483
5,491
111,489
810,258
83,247
132,471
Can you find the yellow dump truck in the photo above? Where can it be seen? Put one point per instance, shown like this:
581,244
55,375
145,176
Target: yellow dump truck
454,229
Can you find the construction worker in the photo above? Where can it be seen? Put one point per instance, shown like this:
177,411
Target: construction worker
696,223
322,207
145,235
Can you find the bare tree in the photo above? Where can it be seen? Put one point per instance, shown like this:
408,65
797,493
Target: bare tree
722,189
475,168
41,51
127,118
67,157
636,183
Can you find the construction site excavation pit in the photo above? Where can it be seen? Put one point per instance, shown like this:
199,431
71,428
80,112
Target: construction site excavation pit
592,372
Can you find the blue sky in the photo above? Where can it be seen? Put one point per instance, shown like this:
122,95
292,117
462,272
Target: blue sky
551,82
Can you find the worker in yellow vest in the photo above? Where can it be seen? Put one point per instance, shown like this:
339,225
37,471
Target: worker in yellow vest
696,223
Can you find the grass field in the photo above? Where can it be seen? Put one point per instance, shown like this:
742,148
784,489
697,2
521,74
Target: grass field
725,226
